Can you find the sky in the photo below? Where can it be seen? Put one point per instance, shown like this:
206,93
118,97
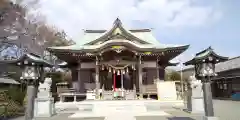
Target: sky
199,23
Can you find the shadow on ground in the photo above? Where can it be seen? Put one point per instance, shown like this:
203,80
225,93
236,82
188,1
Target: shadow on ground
180,118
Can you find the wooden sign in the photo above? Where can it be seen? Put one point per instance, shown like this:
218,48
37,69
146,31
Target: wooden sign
147,52
116,47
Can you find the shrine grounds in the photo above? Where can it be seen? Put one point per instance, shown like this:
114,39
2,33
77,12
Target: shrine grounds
224,109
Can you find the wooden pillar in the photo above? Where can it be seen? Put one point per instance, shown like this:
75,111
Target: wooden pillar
79,77
122,81
97,78
140,77
157,69
114,81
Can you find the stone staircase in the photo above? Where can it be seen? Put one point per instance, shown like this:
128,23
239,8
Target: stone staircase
119,106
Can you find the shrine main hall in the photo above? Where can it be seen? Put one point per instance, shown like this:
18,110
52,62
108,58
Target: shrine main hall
119,63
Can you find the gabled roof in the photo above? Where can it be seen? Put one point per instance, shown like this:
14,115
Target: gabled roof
143,34
204,55
233,63
31,58
139,38
117,29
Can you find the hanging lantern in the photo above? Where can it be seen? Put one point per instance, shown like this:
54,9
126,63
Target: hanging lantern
123,71
109,69
127,70
133,67
118,72
103,67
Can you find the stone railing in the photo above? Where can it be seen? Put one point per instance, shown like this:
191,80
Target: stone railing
107,95
70,94
90,95
130,94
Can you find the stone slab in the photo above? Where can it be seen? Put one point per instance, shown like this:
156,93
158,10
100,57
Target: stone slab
120,116
118,110
210,118
166,90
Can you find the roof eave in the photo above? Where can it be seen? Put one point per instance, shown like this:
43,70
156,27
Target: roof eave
39,62
196,59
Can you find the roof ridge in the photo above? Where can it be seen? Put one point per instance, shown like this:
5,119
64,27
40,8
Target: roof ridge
94,31
140,30
234,58
131,30
205,50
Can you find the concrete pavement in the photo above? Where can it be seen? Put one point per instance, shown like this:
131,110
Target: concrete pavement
224,109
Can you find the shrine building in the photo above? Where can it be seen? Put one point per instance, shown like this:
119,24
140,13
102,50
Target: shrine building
117,63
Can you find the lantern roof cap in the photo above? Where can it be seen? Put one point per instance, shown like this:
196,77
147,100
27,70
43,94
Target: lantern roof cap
205,54
31,59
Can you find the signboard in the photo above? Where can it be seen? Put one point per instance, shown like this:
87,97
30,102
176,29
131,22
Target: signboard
147,52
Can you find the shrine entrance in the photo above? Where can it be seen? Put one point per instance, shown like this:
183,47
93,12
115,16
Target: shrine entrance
119,81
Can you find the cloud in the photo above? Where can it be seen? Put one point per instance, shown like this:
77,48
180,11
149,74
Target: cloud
75,15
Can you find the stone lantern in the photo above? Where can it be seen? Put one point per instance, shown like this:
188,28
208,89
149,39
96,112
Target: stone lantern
32,69
204,64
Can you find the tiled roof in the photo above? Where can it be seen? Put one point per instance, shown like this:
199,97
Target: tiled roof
233,63
204,55
142,34
31,58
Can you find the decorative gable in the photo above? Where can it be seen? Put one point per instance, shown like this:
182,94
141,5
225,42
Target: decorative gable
117,36
117,32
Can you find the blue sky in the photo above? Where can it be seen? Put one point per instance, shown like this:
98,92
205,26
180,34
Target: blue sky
200,23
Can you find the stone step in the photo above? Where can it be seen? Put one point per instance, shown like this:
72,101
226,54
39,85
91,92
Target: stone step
120,116
119,107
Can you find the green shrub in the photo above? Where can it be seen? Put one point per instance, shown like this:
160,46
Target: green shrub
16,95
9,108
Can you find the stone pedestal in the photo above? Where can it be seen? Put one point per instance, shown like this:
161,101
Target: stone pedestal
195,103
44,103
210,118
44,107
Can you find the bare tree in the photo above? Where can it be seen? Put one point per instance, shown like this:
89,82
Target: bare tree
21,33
28,33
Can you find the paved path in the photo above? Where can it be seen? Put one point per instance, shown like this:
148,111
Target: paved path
225,110
119,110
174,115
